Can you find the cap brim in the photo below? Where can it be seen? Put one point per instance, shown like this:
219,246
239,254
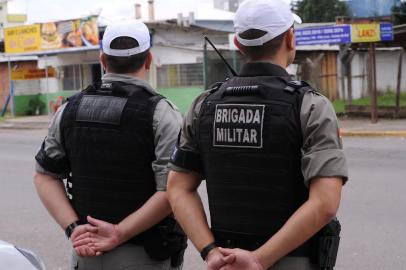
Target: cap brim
297,19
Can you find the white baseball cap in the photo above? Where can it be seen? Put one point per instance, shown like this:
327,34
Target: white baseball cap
271,16
127,28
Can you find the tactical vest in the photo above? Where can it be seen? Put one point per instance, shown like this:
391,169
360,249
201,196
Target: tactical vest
250,138
109,142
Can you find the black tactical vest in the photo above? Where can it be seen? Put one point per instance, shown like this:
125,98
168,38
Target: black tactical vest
109,142
250,142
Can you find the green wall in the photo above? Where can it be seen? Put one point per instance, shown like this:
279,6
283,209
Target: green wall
182,97
27,104
30,104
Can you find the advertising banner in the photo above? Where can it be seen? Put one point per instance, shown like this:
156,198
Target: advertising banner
69,34
344,34
370,32
324,35
78,33
22,39
387,32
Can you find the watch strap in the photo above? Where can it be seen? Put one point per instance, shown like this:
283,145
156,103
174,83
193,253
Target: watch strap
71,227
206,250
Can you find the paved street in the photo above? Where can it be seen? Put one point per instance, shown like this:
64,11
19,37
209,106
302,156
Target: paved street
372,211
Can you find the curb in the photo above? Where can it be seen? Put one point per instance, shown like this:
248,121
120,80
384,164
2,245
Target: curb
20,126
373,133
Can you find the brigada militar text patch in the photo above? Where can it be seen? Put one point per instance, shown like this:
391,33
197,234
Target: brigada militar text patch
238,125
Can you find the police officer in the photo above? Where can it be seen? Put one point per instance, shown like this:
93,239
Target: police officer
113,142
269,150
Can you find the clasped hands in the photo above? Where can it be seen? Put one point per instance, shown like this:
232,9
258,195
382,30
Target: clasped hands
233,259
95,238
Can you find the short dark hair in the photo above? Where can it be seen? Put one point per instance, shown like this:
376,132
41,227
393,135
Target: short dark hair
125,64
269,48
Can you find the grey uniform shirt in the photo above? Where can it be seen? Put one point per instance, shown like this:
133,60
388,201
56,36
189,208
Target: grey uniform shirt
166,124
322,151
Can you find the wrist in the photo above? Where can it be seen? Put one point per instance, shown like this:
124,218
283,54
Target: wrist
119,235
212,253
262,260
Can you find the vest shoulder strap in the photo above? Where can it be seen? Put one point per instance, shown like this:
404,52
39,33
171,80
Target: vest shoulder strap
215,87
299,86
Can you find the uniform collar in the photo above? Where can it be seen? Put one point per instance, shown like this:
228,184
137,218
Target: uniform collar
114,77
253,69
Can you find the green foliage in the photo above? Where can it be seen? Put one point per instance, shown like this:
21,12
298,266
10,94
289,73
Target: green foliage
321,10
339,106
36,106
386,100
399,13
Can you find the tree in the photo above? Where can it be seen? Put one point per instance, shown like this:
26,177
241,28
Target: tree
321,10
399,13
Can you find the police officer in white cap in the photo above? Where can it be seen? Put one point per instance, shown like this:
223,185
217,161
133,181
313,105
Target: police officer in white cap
269,150
113,142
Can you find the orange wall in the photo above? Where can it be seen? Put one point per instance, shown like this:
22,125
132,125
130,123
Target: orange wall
4,82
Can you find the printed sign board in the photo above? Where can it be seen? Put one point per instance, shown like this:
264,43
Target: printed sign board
22,39
343,34
78,33
324,35
31,74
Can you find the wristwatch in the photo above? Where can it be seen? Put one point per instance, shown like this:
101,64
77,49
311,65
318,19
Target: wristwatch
206,250
71,227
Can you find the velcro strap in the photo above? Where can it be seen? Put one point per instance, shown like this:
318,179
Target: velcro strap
187,160
56,166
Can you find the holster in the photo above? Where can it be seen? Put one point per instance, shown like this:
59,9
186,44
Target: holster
329,241
166,240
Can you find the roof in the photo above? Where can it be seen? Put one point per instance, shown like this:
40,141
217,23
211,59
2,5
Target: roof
52,52
17,58
226,26
217,25
325,47
399,29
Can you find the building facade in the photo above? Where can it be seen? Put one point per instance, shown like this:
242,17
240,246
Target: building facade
9,20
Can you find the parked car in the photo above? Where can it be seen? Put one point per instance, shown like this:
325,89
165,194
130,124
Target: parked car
15,258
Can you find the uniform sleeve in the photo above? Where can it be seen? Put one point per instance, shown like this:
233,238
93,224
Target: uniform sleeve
323,154
51,158
166,124
188,144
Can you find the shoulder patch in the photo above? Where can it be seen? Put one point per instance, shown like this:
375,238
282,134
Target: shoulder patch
101,109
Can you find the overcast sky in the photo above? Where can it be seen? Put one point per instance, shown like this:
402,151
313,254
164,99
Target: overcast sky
49,10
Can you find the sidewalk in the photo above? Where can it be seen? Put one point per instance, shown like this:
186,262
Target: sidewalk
28,122
361,127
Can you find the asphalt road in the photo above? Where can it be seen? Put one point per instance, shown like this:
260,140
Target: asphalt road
372,210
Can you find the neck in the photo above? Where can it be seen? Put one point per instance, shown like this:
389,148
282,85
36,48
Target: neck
280,61
140,74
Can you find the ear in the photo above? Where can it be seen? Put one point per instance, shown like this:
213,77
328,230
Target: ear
238,45
148,61
290,39
103,60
